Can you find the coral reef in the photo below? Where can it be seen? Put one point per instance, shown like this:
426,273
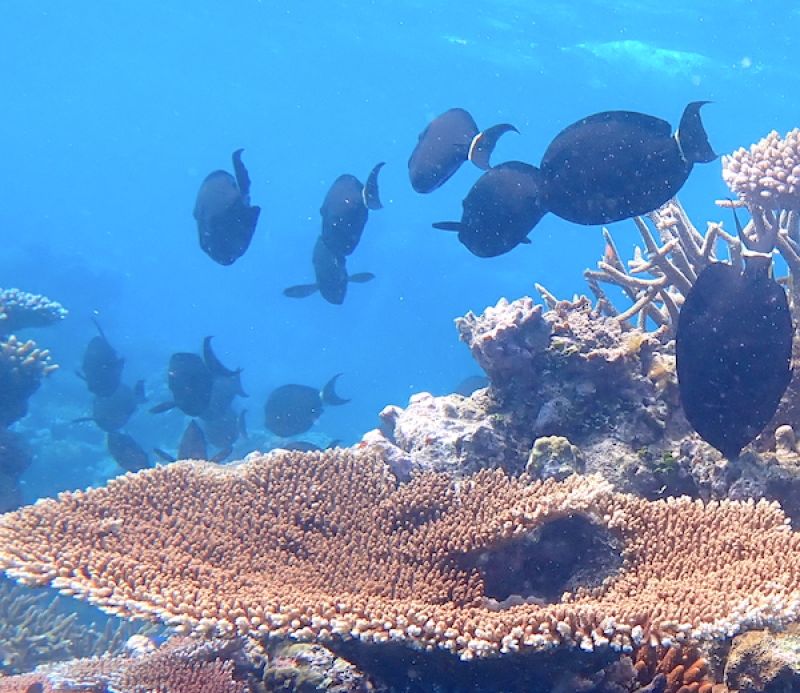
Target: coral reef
22,367
20,310
764,662
325,546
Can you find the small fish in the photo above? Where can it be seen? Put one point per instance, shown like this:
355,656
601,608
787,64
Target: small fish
733,351
447,142
127,453
500,210
616,165
293,409
225,219
101,367
113,412
330,271
306,446
190,381
345,211
470,384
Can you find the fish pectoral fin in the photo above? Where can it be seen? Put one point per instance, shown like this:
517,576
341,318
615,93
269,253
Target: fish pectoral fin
300,290
361,277
483,144
329,395
161,408
370,193
691,136
526,241
448,225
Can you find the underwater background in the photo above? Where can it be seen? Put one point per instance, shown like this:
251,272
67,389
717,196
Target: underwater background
114,112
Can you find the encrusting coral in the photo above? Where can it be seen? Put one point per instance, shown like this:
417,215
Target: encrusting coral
325,546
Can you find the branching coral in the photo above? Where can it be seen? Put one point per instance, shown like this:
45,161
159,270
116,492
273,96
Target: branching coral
19,309
325,546
22,367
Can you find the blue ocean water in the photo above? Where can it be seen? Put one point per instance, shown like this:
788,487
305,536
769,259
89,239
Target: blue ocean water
114,112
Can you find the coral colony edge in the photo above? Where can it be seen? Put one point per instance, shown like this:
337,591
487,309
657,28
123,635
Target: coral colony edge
562,529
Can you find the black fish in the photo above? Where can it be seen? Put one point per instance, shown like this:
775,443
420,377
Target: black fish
330,271
224,430
293,409
619,164
733,347
113,412
449,140
190,381
214,364
192,446
102,367
345,210
225,219
127,453
306,446
500,210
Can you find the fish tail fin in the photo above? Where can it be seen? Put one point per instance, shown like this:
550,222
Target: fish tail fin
81,375
329,395
370,193
242,178
163,455
448,225
483,144
361,277
691,136
99,329
300,290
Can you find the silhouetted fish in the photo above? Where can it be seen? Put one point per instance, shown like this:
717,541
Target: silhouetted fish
293,409
192,446
471,383
224,430
190,382
331,275
214,364
345,211
618,164
500,210
449,140
127,453
225,219
102,367
306,446
113,412
733,348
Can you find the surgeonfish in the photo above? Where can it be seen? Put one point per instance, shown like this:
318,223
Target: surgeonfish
112,412
101,367
330,271
190,381
345,210
733,350
127,453
226,221
617,165
500,210
292,409
447,142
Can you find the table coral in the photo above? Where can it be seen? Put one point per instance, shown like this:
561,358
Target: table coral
325,546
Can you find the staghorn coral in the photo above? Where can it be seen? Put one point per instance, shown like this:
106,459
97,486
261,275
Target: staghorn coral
19,310
181,665
36,627
325,546
22,367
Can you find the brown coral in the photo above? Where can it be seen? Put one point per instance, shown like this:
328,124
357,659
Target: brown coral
684,669
325,545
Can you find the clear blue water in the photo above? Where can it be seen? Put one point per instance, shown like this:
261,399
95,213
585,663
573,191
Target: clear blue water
113,113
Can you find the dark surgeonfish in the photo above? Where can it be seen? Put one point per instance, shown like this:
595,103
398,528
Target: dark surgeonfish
345,210
225,219
127,453
733,348
190,381
192,447
225,429
449,140
619,164
330,271
307,446
113,412
226,384
293,409
500,210
101,367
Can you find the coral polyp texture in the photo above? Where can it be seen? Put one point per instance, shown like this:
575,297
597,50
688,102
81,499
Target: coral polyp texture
22,367
20,309
767,174
326,545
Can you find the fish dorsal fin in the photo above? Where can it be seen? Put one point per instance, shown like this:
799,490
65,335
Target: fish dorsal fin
691,136
242,177
483,144
328,393
369,193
